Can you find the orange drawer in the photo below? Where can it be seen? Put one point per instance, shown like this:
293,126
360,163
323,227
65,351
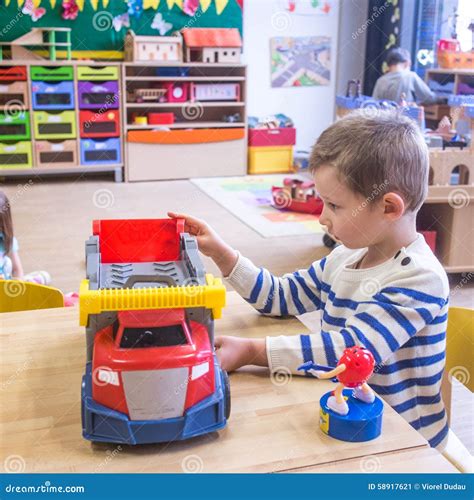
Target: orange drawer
196,136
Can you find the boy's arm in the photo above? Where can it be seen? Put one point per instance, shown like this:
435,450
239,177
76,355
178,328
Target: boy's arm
383,325
423,93
292,294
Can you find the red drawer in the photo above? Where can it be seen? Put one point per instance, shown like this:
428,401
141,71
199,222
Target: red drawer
12,73
272,136
95,124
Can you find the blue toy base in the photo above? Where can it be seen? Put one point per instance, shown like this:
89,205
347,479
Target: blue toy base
362,423
103,424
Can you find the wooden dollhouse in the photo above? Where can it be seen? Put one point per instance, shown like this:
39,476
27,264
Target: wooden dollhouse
212,45
153,48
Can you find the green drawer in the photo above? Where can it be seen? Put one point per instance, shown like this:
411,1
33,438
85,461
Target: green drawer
92,73
52,73
14,126
49,125
15,155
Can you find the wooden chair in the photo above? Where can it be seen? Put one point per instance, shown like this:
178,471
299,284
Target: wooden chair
23,296
459,366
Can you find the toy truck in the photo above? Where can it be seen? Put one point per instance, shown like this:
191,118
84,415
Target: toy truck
298,196
149,308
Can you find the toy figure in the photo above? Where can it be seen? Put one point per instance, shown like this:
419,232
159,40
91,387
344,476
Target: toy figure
353,370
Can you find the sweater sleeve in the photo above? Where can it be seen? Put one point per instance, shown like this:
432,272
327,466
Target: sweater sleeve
292,294
382,324
422,92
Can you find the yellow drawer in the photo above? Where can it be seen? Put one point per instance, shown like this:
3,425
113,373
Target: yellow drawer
270,159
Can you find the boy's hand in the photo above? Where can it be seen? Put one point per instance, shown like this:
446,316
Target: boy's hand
209,242
234,352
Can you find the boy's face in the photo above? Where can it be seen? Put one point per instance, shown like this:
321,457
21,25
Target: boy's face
351,218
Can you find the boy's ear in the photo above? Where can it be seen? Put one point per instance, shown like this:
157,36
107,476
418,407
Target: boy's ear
393,205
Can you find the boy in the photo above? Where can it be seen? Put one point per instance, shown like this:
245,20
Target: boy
399,80
382,288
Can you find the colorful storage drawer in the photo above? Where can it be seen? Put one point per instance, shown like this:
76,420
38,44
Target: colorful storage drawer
97,73
56,153
14,94
15,155
52,73
272,136
94,124
269,160
100,151
49,125
98,95
49,95
14,126
12,73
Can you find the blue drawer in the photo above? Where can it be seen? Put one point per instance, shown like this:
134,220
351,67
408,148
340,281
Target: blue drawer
52,95
100,151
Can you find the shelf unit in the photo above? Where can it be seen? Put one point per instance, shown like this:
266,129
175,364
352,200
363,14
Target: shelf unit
446,82
52,169
180,150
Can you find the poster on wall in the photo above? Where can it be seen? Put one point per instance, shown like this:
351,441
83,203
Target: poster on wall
300,61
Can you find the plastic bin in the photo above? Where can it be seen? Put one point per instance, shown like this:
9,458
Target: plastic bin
270,159
15,155
51,95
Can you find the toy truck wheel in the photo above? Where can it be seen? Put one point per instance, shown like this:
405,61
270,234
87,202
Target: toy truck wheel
225,377
328,241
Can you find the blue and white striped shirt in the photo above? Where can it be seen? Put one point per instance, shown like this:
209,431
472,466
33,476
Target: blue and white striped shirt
397,309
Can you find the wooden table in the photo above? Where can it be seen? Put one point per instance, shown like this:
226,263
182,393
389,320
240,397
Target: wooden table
273,424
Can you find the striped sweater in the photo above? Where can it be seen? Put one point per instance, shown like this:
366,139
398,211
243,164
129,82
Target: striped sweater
397,309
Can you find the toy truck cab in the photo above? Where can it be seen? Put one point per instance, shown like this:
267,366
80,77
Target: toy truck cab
151,373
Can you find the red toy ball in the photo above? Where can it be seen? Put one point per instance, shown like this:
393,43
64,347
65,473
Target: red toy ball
359,363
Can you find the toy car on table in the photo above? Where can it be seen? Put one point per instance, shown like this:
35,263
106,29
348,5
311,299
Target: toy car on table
297,195
148,308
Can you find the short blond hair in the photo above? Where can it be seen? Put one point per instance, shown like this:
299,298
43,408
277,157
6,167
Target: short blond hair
376,152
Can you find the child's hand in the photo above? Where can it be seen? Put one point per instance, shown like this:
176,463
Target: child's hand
209,242
234,352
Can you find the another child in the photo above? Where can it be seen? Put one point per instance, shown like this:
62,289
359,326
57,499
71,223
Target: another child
382,288
399,82
10,262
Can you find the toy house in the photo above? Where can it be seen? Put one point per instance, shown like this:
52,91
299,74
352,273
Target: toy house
212,45
153,48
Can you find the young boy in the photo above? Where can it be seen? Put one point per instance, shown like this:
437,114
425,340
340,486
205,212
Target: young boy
382,288
399,80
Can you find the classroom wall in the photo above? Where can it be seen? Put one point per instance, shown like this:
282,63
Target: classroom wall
311,108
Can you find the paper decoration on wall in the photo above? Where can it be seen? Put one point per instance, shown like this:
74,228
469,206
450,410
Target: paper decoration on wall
307,7
70,10
151,4
190,7
300,61
122,21
31,10
160,24
135,8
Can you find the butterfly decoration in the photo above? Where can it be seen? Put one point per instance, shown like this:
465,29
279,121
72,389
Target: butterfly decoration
30,10
160,24
135,8
122,21
70,10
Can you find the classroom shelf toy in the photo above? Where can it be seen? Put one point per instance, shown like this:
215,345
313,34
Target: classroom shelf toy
298,196
353,414
98,95
52,95
149,308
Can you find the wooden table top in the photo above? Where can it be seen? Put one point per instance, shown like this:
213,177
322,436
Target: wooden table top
273,424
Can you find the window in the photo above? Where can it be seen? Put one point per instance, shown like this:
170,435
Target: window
157,336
